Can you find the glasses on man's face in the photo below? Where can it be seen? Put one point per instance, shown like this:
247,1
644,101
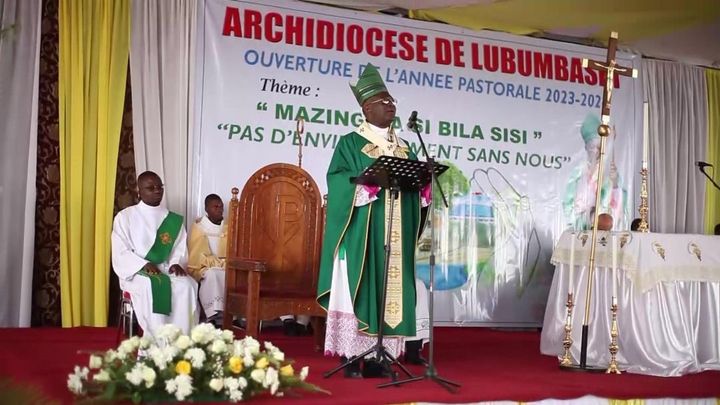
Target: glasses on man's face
158,187
385,101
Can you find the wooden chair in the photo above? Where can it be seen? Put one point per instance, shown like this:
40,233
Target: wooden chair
273,254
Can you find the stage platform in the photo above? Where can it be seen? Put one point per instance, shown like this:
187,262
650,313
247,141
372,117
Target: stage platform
490,364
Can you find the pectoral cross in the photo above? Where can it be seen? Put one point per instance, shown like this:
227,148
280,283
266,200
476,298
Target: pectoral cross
610,67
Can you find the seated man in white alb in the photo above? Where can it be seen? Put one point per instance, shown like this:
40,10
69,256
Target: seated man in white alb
149,253
206,262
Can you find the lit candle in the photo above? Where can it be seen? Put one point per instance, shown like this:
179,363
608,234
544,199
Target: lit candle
614,268
646,135
571,275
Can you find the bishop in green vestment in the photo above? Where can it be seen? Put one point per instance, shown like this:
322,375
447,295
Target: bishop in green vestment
353,257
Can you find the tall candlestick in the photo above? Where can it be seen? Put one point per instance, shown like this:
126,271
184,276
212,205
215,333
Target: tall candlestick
571,274
643,209
646,134
614,268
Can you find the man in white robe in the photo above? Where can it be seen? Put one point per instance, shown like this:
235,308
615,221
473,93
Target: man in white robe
148,244
206,263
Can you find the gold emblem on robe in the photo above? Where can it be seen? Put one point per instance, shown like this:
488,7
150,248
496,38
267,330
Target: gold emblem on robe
165,238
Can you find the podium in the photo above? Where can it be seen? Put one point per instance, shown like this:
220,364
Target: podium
395,175
398,174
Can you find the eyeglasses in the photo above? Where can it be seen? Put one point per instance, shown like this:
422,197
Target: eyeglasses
385,101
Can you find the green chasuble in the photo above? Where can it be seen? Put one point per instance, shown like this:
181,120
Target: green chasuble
358,233
165,237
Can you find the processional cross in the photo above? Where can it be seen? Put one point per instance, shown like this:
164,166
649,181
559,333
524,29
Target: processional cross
610,68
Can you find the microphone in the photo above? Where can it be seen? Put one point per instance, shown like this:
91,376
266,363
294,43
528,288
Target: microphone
703,165
412,121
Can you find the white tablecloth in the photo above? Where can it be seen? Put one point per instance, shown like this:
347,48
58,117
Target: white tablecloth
668,299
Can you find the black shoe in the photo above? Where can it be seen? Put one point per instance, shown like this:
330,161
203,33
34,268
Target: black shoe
352,370
303,330
215,320
290,327
374,369
412,353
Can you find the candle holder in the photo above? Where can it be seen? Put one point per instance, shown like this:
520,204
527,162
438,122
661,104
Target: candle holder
567,340
613,367
643,209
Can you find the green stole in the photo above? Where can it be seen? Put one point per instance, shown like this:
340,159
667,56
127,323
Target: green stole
159,252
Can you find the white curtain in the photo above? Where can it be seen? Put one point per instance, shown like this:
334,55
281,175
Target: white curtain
19,67
677,97
161,66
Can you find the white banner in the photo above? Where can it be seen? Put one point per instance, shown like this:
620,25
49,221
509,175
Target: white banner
516,118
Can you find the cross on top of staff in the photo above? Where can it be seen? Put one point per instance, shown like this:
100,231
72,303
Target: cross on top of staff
611,68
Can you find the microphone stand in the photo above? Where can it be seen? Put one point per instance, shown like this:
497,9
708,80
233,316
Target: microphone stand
702,170
430,371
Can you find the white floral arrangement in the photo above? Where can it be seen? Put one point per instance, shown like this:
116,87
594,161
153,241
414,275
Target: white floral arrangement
208,365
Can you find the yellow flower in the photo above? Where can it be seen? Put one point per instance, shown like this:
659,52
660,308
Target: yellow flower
262,363
236,364
287,371
183,367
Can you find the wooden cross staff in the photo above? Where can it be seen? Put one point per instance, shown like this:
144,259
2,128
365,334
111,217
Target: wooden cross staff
611,68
